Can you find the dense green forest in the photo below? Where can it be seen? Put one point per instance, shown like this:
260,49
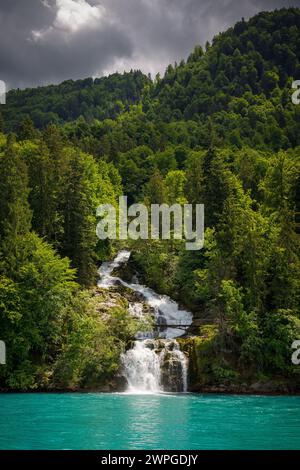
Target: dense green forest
102,98
219,129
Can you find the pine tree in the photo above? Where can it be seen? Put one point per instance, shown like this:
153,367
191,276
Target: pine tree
43,196
155,189
27,130
216,186
54,140
79,222
15,213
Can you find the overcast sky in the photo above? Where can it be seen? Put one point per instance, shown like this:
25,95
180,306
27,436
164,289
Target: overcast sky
48,41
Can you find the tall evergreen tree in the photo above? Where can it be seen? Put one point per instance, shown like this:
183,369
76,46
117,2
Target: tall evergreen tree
26,129
15,213
216,186
79,222
44,194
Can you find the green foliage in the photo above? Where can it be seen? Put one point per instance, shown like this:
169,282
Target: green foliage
15,213
58,189
91,352
101,98
40,286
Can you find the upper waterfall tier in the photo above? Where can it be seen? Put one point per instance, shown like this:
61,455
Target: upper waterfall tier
173,320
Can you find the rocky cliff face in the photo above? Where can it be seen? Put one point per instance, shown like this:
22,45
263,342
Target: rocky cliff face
211,372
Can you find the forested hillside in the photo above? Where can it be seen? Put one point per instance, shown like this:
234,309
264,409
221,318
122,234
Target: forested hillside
99,98
219,129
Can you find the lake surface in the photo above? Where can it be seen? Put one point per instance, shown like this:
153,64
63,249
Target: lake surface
164,421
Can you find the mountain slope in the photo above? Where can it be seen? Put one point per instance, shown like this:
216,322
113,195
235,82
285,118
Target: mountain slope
243,82
101,98
257,57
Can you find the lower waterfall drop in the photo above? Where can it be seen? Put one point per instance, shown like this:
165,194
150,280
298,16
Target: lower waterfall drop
141,366
154,366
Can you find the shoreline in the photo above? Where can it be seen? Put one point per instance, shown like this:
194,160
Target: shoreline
213,390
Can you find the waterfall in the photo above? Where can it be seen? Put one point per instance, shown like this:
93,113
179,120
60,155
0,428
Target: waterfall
155,366
106,269
155,363
142,368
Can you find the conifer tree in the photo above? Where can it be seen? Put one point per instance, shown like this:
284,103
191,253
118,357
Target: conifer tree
26,129
15,213
216,186
79,221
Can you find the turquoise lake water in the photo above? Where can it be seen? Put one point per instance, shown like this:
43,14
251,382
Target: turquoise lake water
120,421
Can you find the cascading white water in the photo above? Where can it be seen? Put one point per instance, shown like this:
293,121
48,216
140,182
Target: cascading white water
106,269
142,368
166,310
155,365
152,365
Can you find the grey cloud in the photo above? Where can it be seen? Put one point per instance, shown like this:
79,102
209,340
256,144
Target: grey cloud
165,31
25,61
146,34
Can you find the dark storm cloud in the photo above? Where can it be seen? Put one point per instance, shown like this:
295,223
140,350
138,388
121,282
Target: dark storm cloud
40,43
44,41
